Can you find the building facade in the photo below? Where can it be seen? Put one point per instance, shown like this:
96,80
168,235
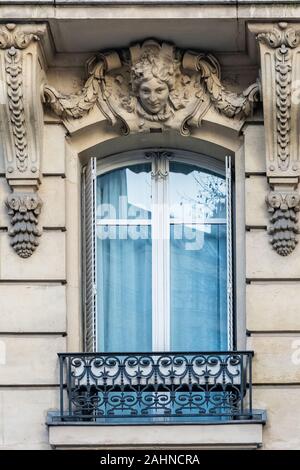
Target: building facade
149,260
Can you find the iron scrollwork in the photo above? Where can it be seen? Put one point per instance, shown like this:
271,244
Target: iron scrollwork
107,386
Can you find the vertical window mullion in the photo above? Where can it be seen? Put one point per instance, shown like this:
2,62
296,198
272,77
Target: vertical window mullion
155,261
166,259
160,257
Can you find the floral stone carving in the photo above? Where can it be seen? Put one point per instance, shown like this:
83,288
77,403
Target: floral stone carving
283,208
153,86
24,209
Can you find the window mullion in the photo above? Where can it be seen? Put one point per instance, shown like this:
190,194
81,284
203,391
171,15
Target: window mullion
166,260
160,258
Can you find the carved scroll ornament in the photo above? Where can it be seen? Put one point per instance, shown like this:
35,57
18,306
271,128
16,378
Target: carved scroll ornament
19,36
153,86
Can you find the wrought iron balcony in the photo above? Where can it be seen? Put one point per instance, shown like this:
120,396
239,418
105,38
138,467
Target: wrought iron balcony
138,387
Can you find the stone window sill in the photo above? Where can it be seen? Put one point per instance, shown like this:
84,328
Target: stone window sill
230,435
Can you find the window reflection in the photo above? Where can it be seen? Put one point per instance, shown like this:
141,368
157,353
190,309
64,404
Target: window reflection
196,194
125,193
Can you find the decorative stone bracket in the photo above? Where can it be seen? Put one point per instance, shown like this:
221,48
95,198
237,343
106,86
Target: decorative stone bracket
153,86
21,125
280,70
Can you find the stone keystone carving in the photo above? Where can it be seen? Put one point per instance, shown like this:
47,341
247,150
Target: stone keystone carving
153,86
24,209
283,208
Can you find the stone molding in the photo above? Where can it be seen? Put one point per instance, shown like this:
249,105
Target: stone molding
153,86
279,45
21,126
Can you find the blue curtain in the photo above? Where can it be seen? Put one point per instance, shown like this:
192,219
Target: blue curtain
198,262
198,289
124,273
124,259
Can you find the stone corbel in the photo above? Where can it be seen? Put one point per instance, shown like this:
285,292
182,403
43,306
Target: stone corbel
280,73
21,126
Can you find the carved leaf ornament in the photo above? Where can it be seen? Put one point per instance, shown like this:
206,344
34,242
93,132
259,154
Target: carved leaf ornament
24,210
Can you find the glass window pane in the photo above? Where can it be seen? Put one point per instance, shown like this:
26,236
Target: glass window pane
124,264
125,193
198,287
195,193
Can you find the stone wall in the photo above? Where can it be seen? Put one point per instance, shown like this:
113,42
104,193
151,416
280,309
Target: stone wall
272,312
47,287
34,296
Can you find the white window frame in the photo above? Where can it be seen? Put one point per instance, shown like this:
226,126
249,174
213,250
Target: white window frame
160,232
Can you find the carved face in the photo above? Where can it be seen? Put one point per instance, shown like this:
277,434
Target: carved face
154,95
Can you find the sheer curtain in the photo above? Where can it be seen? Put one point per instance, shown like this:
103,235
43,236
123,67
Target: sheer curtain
123,268
198,254
198,277
198,290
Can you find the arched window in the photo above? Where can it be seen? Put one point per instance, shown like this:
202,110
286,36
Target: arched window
158,253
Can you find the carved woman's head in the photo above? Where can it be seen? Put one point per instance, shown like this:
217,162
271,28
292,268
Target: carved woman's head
153,80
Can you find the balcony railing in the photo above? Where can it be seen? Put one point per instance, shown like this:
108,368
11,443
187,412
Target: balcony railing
108,388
